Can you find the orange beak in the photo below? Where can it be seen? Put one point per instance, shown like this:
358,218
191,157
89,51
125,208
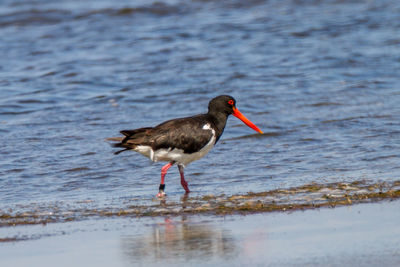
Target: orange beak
246,121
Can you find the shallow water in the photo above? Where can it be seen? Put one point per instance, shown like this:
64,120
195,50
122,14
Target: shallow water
320,78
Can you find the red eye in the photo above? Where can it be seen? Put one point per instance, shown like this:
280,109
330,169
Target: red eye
230,102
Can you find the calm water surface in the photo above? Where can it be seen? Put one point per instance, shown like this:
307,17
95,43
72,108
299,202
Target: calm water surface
320,78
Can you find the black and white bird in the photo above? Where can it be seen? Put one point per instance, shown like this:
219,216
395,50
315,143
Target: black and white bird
182,140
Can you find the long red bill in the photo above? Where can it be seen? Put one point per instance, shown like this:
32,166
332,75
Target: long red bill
246,121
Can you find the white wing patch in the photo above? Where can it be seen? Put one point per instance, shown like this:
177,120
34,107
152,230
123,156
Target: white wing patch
208,127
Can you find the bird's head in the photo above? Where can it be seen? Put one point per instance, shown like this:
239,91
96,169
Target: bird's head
227,104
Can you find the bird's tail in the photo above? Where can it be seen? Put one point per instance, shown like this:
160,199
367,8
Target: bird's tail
116,139
119,144
130,140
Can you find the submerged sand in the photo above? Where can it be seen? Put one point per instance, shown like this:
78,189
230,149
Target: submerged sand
359,235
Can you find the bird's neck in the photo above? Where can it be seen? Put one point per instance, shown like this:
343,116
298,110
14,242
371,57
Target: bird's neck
218,119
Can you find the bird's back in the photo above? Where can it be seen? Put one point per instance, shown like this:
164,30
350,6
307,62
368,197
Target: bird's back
187,134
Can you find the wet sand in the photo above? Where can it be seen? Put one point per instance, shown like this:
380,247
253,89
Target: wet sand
358,235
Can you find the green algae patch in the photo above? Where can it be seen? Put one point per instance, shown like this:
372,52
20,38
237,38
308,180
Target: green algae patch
309,196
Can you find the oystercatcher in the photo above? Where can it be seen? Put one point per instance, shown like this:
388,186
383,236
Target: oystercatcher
182,140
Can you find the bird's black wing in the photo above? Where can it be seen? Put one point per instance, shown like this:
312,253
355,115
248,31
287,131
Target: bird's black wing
186,134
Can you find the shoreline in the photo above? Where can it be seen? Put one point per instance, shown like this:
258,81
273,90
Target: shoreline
310,196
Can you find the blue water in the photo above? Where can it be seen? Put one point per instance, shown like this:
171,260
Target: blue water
320,78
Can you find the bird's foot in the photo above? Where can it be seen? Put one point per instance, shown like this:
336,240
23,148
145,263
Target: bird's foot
161,194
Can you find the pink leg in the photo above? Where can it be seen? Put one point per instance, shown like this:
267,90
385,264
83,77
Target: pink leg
164,170
183,181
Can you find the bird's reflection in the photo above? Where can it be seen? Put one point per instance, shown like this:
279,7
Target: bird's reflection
180,239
